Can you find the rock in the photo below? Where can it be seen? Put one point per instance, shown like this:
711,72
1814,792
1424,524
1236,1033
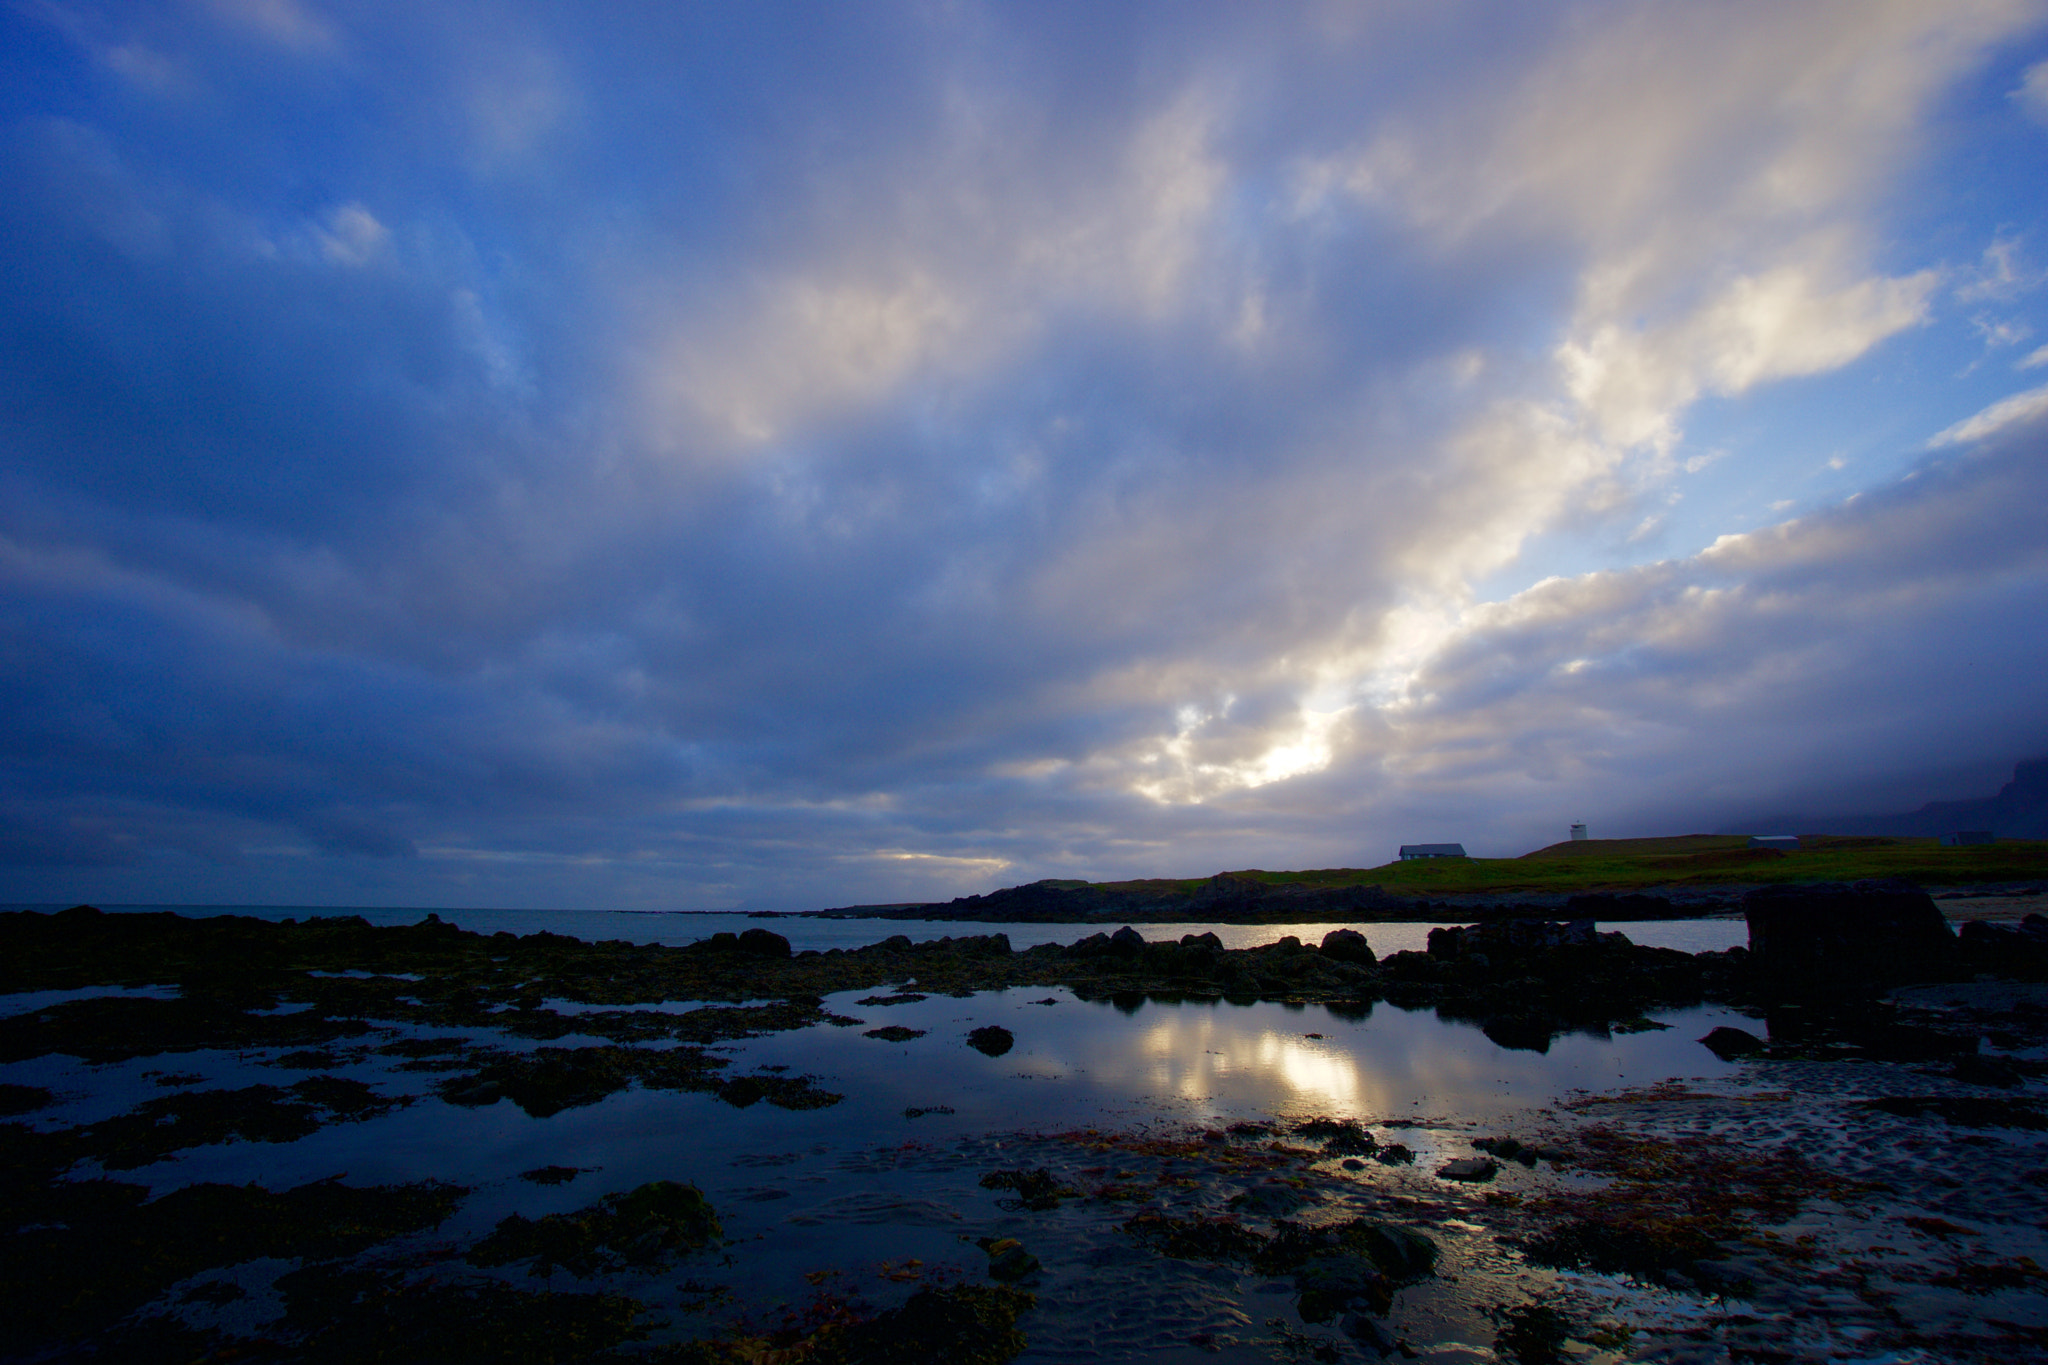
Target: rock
1340,1137
1394,1154
1008,1261
1978,1070
1352,1163
1503,941
991,1040
1511,1149
894,1033
1472,1169
1367,1332
1127,940
1095,945
1828,935
1206,939
1036,1190
763,943
1348,945
1330,1284
1269,1199
1401,1252
1729,1043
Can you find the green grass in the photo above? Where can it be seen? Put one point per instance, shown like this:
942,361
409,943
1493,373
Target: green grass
1684,860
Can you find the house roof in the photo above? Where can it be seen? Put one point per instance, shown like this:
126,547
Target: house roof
1432,850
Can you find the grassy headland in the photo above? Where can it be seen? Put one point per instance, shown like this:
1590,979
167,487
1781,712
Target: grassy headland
1594,865
1689,866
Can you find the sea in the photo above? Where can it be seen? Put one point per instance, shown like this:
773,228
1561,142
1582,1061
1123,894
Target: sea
678,928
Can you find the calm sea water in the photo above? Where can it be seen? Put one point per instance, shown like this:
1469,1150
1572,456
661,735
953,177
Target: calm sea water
682,927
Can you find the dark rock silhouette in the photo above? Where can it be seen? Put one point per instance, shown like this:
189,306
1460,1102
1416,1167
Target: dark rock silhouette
1828,934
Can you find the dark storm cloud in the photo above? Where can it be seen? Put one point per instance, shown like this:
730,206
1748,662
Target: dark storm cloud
682,454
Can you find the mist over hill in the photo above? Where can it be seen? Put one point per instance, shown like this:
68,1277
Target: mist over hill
2018,811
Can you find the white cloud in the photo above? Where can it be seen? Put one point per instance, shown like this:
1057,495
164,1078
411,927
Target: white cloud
2033,91
284,22
1633,385
949,269
2021,407
352,236
2002,274
2034,361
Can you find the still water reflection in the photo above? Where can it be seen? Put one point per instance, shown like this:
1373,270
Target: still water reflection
893,1170
1078,1061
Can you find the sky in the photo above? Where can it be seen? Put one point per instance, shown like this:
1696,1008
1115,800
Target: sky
776,456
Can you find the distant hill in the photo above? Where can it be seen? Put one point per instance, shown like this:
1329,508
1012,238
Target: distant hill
2019,811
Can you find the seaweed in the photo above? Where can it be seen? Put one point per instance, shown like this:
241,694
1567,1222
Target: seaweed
938,1325
58,1280
1035,1190
23,1099
258,1113
346,1315
639,1227
1340,1137
554,1175
1221,1239
113,1029
1671,1203
1532,1333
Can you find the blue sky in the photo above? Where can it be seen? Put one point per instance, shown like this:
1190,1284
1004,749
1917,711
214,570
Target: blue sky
776,456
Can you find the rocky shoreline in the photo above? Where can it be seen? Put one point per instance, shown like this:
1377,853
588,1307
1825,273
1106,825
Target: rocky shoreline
1904,1214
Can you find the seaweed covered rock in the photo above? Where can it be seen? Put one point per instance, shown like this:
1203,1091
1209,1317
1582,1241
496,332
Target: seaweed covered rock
1036,1190
964,1324
340,1315
635,1228
991,1040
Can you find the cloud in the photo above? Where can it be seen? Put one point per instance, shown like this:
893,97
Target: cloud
1862,639
2032,93
2021,407
714,456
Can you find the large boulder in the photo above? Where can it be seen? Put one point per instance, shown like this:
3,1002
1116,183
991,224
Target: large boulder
1348,945
1828,934
763,943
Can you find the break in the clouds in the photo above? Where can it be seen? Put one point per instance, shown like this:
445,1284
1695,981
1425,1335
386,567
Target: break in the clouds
702,456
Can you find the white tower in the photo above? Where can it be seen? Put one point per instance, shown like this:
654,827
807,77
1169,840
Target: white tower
1579,830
